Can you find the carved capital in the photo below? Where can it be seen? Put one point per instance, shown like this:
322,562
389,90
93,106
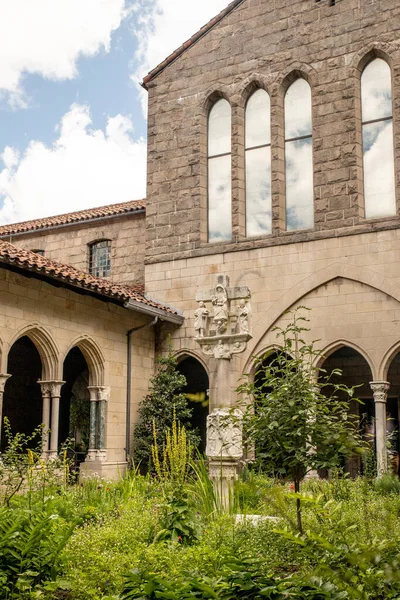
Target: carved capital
3,381
380,390
99,393
51,388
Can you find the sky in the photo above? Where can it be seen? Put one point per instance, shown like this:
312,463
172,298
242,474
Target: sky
72,112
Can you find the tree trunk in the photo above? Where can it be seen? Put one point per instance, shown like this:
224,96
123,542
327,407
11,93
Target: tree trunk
298,506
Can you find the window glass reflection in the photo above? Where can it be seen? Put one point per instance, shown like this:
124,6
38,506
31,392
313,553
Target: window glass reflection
258,192
258,120
219,128
219,199
299,185
299,157
298,120
258,164
377,130
376,91
379,187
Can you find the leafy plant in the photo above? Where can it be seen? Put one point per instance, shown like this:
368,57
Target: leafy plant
164,404
30,546
300,418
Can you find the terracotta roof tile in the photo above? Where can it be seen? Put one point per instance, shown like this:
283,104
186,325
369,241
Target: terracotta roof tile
120,293
195,38
110,210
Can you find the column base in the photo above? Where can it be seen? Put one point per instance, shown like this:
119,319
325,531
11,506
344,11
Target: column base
223,473
110,471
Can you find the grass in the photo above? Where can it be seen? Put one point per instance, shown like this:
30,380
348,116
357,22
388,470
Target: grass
352,537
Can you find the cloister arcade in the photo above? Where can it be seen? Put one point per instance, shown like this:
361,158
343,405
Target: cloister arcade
64,393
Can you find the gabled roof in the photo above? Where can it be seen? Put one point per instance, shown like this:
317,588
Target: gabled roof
111,210
195,38
129,296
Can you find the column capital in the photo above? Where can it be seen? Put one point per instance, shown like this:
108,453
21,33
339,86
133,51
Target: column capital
3,380
99,393
380,390
52,388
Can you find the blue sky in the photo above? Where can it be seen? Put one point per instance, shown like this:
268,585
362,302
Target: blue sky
72,113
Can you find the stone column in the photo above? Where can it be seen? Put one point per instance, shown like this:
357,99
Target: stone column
46,396
224,450
380,390
91,455
103,394
55,390
3,380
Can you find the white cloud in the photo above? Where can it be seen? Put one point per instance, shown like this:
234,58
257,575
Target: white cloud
82,169
48,36
163,26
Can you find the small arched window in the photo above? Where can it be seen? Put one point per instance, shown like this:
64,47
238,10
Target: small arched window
377,131
219,172
258,164
299,157
100,258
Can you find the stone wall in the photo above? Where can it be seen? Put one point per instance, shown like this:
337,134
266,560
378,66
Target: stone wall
69,244
267,43
56,320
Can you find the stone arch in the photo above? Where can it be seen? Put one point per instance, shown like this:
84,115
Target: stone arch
45,345
255,357
373,50
250,85
297,71
342,343
323,276
180,356
93,356
212,96
387,360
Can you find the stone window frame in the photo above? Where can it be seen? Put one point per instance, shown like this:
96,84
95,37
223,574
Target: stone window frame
39,251
360,62
91,268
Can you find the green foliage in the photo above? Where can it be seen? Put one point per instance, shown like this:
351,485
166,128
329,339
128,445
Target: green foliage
300,419
30,545
178,522
387,484
164,404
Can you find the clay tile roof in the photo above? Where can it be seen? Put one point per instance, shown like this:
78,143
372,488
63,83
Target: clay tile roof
40,265
110,210
195,38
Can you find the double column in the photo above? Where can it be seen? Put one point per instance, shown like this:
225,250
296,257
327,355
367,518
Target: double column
51,394
99,396
380,390
3,380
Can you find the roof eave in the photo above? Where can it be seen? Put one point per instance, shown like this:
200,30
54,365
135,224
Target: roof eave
152,311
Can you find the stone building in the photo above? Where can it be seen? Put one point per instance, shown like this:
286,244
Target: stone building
273,182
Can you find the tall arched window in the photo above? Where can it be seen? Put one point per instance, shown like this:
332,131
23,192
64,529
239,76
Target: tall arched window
298,157
219,172
258,164
377,130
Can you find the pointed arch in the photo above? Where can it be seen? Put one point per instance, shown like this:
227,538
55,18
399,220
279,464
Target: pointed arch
342,343
93,356
323,276
45,345
387,360
182,354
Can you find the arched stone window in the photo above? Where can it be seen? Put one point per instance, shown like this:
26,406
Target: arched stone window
100,258
377,131
219,172
258,164
299,157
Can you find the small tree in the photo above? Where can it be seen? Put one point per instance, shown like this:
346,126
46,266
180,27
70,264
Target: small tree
164,404
300,420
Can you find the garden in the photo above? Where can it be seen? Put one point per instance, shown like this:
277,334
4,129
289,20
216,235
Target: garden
164,531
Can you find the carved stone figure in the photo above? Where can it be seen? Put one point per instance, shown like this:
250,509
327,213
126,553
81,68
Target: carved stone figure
243,317
200,322
221,310
224,434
